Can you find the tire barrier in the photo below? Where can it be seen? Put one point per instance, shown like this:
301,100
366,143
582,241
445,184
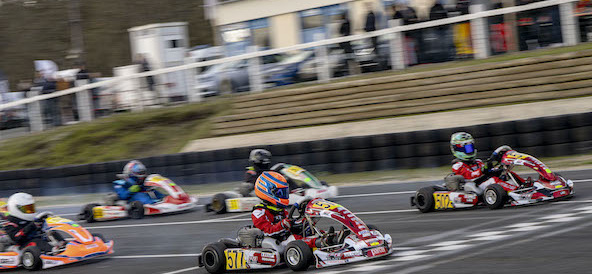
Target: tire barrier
541,137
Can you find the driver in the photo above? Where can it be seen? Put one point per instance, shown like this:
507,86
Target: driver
261,161
23,225
270,216
466,167
131,187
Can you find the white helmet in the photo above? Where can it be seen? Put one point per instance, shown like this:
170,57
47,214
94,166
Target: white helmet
22,205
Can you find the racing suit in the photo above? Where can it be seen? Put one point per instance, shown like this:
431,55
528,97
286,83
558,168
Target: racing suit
469,170
130,191
269,219
464,174
25,233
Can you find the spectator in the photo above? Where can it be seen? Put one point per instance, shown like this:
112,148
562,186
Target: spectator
51,113
404,12
371,24
345,30
408,16
145,66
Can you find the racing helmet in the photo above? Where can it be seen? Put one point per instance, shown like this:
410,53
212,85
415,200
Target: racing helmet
135,171
272,188
22,206
462,146
260,157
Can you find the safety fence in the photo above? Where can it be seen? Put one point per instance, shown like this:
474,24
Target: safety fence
542,137
318,61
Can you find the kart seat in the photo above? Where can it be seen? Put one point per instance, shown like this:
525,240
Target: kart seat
5,242
249,236
230,243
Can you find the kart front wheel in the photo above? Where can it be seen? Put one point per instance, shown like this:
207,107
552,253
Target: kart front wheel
424,199
31,258
136,210
298,255
213,257
219,203
495,196
88,214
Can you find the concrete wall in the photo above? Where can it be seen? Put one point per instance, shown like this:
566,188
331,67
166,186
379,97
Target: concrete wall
241,11
285,30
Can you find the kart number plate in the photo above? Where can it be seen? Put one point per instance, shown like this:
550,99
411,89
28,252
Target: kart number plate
296,170
325,205
233,204
98,212
235,259
442,201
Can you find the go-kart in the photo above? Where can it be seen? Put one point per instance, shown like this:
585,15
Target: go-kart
72,243
355,242
302,185
500,188
175,200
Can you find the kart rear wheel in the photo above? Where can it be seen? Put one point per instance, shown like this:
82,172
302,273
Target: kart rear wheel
31,258
87,213
298,255
424,199
213,257
136,210
495,196
219,203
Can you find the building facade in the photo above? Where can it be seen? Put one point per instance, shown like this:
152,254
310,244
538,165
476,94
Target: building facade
280,23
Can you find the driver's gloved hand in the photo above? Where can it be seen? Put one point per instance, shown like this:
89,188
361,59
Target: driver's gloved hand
134,188
286,223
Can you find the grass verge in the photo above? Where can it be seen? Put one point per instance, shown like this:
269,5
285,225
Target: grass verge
121,136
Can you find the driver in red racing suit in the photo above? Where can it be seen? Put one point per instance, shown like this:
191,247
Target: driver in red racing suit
271,216
466,167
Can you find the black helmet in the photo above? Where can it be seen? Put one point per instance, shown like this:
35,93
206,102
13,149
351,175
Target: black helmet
260,157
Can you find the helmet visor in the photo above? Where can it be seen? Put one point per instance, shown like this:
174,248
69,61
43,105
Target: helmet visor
282,193
467,148
27,209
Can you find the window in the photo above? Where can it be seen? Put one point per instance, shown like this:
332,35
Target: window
315,22
238,37
174,43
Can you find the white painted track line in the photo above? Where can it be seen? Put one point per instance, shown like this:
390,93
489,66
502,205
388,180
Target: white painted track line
375,194
182,270
155,256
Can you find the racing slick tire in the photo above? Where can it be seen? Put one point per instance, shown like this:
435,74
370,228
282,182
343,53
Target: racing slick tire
87,213
219,203
31,258
495,196
298,255
424,199
213,257
136,210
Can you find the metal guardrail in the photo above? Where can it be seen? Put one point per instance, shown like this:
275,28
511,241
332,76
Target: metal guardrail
393,33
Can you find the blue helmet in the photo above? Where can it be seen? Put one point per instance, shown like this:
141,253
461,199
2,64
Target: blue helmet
135,172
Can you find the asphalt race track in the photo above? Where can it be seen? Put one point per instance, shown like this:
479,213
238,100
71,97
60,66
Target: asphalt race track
545,238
